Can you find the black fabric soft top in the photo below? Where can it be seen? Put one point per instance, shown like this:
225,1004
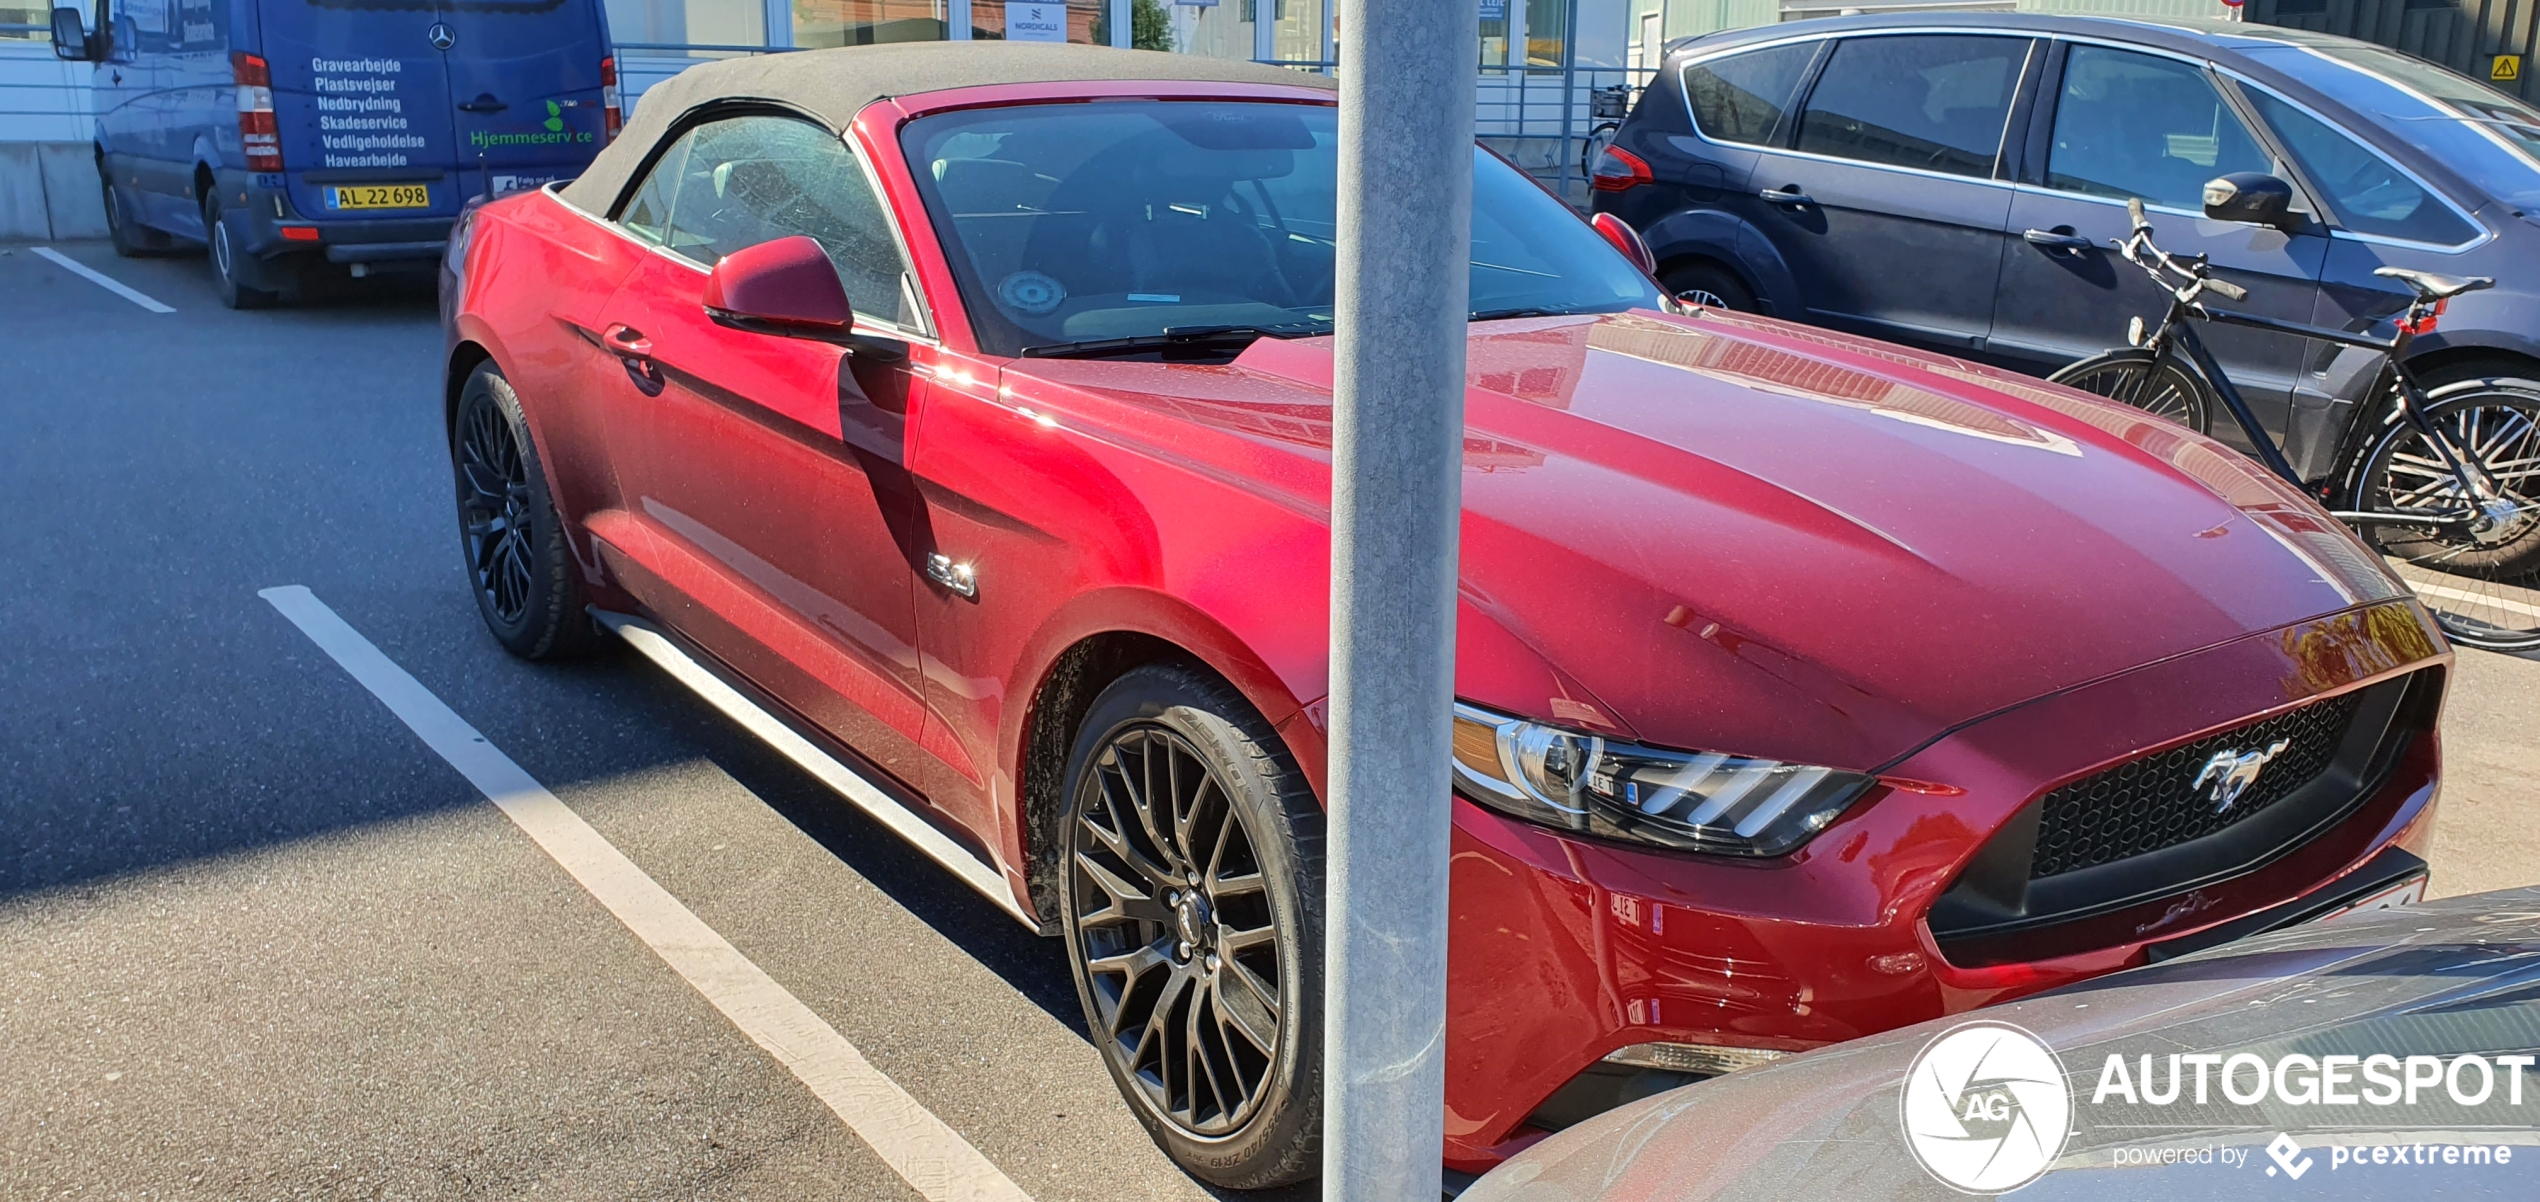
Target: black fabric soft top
836,84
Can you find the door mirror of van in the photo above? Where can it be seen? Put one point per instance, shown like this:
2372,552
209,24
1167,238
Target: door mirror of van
788,288
2250,196
70,36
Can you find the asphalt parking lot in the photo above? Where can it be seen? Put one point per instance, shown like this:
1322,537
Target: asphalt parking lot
259,939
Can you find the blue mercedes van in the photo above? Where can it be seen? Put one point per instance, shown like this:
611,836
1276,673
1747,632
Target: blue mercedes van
291,137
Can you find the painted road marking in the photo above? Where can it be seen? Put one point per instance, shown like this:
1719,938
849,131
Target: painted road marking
102,280
917,1145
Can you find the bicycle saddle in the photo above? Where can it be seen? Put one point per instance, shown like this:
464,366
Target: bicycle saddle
2435,287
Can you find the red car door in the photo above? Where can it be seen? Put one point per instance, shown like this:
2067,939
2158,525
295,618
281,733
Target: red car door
767,475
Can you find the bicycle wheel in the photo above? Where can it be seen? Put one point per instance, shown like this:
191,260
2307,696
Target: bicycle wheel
2165,390
2481,579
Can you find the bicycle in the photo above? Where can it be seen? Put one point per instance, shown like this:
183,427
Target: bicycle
2443,485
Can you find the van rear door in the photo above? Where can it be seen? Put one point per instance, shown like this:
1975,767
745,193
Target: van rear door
360,97
525,81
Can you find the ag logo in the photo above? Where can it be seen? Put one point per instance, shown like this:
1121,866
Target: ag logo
1986,1108
441,36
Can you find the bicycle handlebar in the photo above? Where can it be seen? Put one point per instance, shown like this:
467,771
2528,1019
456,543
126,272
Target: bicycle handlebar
2194,271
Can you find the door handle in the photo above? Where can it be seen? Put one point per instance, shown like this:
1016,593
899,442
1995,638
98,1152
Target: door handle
957,577
2061,238
635,353
484,103
1789,195
627,342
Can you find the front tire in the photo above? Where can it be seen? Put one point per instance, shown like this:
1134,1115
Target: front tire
519,563
1192,898
131,241
2483,583
2152,383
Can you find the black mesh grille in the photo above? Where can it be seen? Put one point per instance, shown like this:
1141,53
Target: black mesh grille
2154,802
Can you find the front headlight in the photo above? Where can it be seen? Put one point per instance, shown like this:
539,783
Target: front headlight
1696,801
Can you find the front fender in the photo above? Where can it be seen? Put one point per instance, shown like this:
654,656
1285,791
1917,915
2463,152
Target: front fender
1733,242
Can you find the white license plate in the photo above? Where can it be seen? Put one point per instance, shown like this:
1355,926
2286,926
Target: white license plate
2406,893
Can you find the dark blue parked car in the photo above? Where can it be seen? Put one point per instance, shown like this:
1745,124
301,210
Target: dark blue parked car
1954,181
287,135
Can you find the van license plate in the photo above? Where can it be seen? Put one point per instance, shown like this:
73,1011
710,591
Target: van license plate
380,196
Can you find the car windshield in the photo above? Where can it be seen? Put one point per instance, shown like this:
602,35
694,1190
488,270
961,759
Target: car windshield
2491,139
1070,225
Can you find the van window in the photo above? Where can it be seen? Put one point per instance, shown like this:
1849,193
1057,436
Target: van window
2368,193
1934,102
2129,125
731,184
1740,97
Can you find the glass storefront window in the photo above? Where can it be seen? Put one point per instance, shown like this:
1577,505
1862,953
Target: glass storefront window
1220,30
643,23
825,23
33,23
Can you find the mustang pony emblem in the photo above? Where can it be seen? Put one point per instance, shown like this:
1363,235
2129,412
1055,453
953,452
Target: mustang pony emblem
2230,773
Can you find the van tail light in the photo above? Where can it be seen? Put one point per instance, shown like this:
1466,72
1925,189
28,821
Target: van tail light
258,136
612,103
1618,170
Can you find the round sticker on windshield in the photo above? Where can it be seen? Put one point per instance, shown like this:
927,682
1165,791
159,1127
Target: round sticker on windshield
1031,292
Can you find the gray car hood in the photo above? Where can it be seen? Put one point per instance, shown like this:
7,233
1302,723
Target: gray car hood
2456,976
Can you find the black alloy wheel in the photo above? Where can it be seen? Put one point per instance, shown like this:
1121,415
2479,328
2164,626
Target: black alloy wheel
1192,892
519,564
2481,580
1706,283
2132,376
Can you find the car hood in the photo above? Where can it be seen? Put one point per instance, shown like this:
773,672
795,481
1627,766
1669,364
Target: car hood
1736,534
2442,979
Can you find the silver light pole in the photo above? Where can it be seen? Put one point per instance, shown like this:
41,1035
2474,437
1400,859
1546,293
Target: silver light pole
1406,212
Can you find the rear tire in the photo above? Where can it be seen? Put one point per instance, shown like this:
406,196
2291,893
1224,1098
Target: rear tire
1191,895
2130,376
234,275
2483,587
1705,283
520,565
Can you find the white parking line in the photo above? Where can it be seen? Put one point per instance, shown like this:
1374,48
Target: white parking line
102,280
917,1145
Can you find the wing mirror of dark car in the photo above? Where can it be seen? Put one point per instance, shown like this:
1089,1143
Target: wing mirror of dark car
1626,240
788,288
70,36
2251,196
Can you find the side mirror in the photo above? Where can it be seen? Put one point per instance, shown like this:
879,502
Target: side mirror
2250,196
787,288
70,36
1626,240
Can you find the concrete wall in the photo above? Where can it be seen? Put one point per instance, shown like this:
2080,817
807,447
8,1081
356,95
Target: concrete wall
48,175
48,191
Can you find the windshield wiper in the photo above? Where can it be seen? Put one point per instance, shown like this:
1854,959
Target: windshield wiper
1199,338
1522,311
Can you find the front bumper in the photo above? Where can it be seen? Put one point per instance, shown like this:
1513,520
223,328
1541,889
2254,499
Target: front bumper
1563,951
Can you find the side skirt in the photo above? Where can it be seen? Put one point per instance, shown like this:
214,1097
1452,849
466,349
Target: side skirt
828,769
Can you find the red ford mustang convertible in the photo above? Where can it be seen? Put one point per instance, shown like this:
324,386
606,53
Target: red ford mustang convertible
958,417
